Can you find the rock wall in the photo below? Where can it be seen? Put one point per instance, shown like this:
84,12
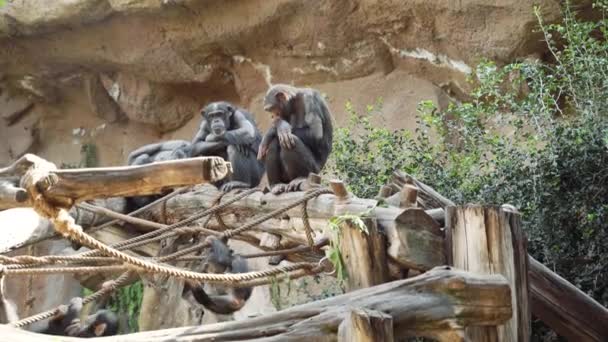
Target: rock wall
118,74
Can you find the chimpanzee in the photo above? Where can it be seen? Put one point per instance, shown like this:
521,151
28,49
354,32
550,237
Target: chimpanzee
231,133
221,259
67,322
300,139
162,151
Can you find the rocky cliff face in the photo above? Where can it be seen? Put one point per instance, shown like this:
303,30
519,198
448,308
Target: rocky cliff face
118,74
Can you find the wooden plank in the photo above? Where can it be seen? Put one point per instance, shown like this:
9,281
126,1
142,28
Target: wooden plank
565,308
366,326
74,185
433,304
415,239
364,255
488,240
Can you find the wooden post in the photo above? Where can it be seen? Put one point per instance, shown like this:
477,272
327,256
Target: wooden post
408,196
489,240
362,325
364,255
10,195
339,189
565,308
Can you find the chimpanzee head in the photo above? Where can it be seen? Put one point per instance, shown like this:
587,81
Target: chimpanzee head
102,323
218,115
278,100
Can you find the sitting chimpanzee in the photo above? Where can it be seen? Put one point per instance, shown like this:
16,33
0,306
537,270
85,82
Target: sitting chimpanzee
221,259
300,140
231,133
162,151
67,323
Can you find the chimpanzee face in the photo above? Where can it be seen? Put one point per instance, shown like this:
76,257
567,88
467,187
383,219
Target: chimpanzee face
218,116
277,105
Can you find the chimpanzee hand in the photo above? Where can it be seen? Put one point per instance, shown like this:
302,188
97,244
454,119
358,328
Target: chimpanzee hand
286,139
263,149
212,137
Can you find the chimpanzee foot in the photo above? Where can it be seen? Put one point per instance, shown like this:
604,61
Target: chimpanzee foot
234,185
278,188
296,184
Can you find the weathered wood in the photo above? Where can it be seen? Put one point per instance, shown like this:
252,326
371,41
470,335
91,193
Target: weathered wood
488,240
408,196
428,198
11,195
554,300
414,238
339,189
24,227
74,185
439,301
565,308
366,326
364,255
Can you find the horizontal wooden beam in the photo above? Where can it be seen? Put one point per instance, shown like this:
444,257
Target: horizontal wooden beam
440,302
75,185
414,238
565,308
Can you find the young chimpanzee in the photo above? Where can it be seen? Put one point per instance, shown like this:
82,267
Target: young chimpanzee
67,323
230,133
147,154
221,259
300,139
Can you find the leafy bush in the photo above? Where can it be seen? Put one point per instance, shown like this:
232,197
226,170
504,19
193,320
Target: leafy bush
534,134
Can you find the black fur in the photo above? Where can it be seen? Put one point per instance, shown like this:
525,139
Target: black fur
300,140
221,259
162,151
231,133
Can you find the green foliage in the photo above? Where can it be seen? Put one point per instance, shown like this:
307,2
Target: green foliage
333,252
533,134
126,301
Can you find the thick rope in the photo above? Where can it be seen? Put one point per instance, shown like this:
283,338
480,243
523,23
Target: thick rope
307,228
55,234
307,196
295,250
65,224
106,289
72,270
126,244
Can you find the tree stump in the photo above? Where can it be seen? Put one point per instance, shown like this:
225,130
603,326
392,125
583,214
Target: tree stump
489,240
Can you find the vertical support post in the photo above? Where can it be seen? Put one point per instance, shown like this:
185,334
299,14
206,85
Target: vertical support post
408,196
366,326
489,240
364,255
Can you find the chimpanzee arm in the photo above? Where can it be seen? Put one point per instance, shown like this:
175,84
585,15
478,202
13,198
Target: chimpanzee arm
201,147
150,149
244,134
318,119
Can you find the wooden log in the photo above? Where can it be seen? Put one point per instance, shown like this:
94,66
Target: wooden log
366,326
489,240
364,255
440,301
428,197
548,290
408,196
414,238
74,185
339,189
11,195
565,308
